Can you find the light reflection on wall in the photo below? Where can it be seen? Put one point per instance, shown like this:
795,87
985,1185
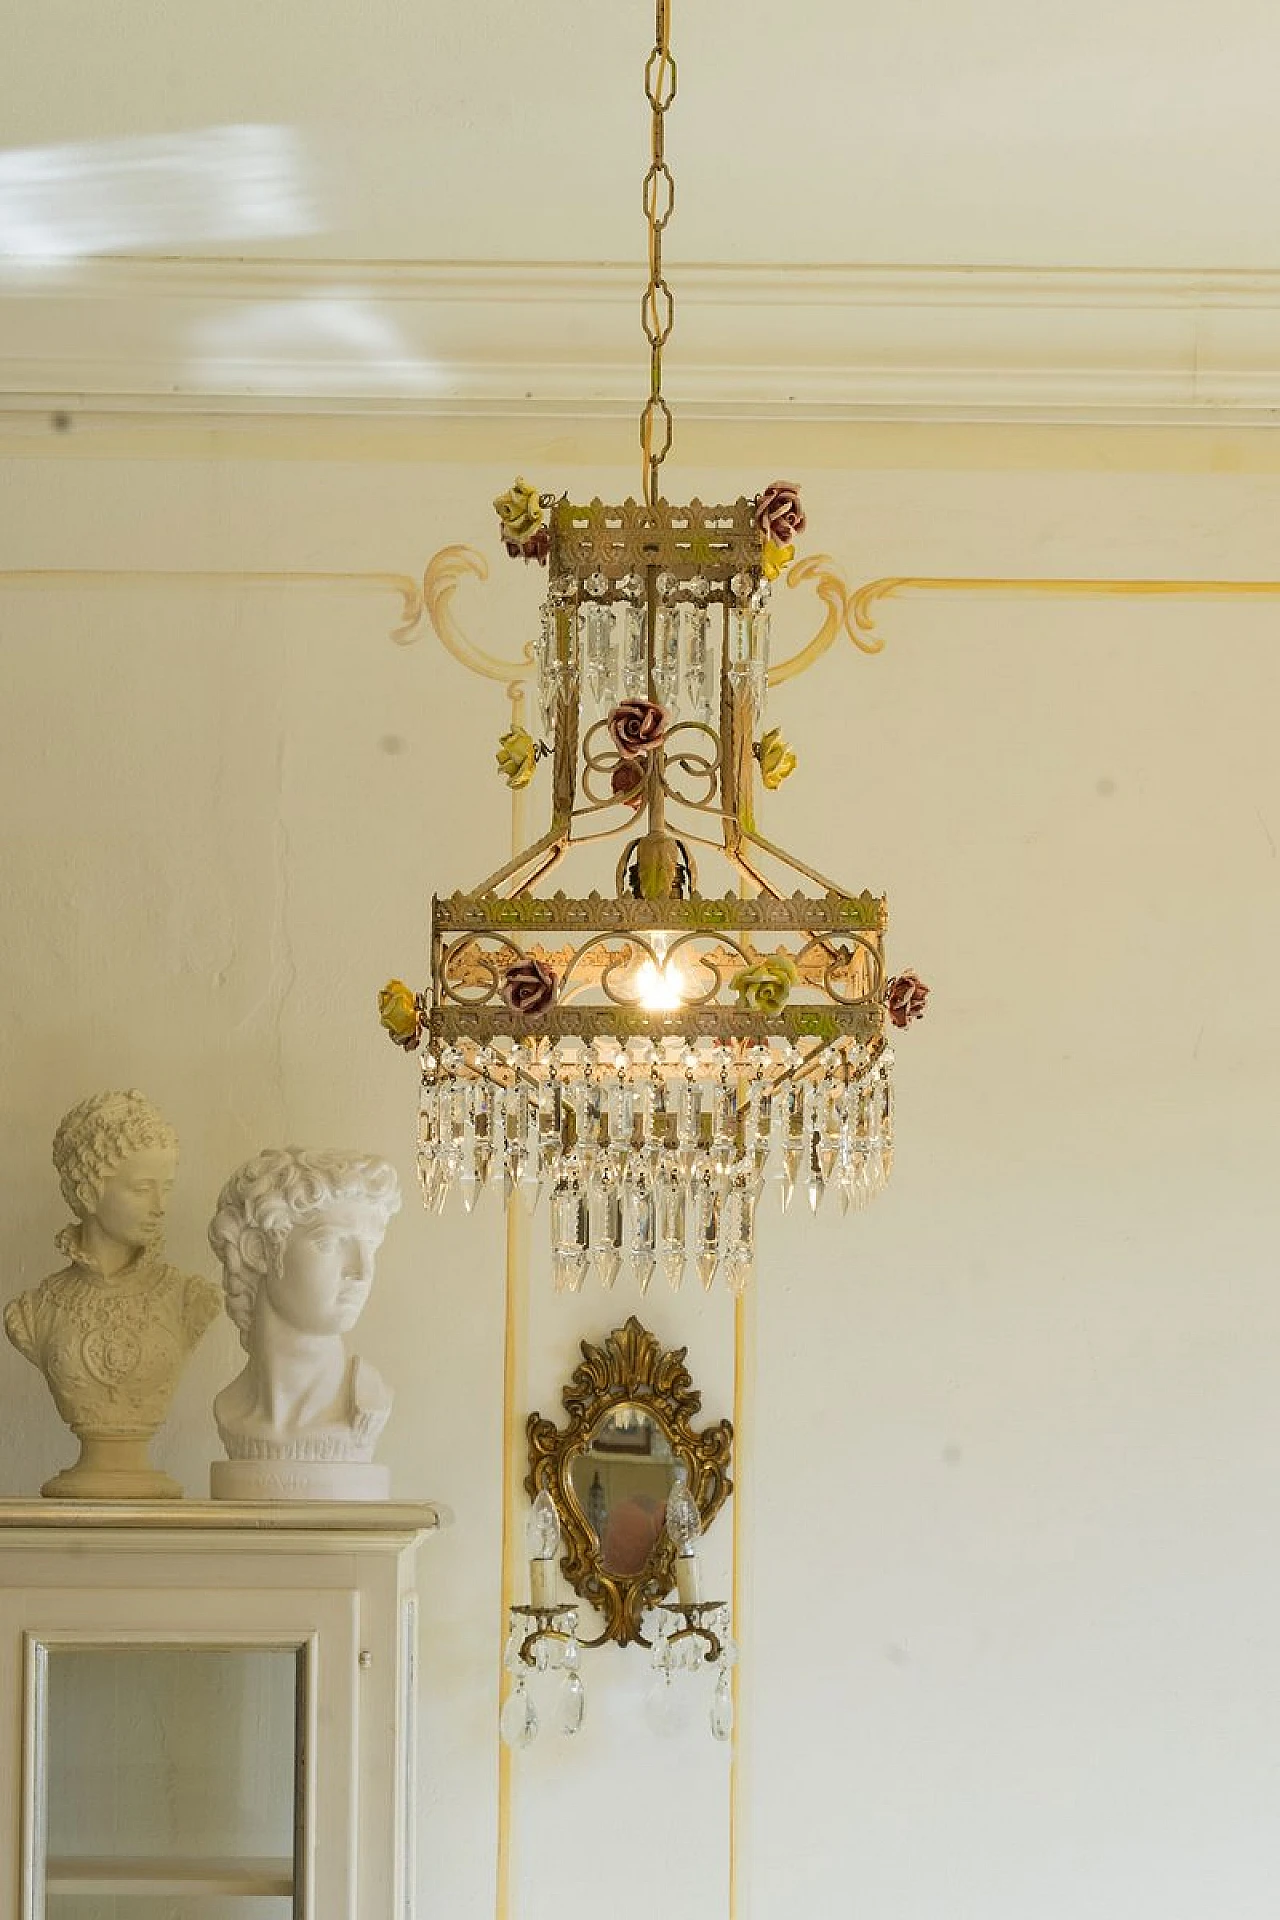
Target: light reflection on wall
310,345
156,190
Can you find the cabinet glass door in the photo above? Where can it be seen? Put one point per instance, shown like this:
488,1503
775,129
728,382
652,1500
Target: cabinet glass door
168,1784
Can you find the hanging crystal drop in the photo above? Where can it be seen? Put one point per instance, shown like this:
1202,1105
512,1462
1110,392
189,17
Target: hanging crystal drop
738,642
666,646
572,1705
700,658
817,1185
599,668
519,1722
723,1118
588,1108
550,1122
640,1221
741,1258
760,660
483,1123
548,669
830,1110
793,1140
569,1226
605,1217
635,657
688,1118
722,1706
522,1125
706,1223
671,1219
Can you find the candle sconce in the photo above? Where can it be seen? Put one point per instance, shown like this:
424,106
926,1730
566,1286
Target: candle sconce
621,1495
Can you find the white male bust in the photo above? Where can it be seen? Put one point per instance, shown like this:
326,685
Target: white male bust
297,1234
111,1331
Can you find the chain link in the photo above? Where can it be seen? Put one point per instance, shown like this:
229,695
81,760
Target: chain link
657,309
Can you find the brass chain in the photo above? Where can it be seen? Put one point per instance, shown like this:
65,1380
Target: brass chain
657,309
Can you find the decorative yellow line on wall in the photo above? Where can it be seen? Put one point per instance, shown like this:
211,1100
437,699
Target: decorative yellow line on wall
863,602
411,596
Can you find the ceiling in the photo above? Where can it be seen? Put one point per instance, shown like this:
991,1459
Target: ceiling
317,137
1116,133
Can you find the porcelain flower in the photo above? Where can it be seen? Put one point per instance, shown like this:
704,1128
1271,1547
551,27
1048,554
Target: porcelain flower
536,547
777,761
779,515
627,782
637,726
517,756
401,1014
904,999
529,987
766,987
775,559
520,511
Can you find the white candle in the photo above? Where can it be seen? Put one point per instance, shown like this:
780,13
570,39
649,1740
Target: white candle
688,1579
542,1583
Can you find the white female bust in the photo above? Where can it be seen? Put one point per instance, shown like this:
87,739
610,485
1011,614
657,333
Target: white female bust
297,1234
110,1332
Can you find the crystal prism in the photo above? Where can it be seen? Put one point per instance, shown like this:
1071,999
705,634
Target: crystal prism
572,1705
722,1707
518,1724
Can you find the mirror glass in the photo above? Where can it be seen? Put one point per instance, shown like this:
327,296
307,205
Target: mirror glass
621,1480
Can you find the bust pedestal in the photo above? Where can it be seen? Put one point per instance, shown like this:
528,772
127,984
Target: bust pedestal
286,1479
112,1467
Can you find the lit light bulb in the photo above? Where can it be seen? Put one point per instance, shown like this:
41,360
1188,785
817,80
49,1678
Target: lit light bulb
660,985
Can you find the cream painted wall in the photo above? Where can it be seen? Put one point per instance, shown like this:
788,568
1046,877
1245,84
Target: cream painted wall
1009,1440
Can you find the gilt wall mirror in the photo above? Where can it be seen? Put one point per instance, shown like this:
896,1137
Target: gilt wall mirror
630,1407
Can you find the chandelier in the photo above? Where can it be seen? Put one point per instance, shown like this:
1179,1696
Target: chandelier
648,1057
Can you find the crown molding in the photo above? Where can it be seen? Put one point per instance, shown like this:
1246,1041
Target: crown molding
201,336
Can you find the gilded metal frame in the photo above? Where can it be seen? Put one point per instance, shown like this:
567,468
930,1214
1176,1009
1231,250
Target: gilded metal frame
629,1368
643,554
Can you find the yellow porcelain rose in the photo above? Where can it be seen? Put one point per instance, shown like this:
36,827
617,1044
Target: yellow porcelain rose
777,761
400,1014
520,511
775,559
766,987
517,756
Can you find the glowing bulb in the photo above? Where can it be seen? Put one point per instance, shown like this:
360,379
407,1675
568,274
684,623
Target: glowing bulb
660,985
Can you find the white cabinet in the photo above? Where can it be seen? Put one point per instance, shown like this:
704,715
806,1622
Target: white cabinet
207,1710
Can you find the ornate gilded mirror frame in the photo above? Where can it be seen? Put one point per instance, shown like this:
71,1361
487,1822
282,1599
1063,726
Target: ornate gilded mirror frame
630,1369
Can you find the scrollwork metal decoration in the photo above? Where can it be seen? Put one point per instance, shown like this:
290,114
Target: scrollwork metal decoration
628,1369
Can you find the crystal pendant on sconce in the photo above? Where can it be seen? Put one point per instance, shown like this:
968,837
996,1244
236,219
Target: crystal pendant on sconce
518,1724
722,1706
572,1705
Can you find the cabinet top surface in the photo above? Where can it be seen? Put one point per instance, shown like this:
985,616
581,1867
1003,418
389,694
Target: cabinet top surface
402,1519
